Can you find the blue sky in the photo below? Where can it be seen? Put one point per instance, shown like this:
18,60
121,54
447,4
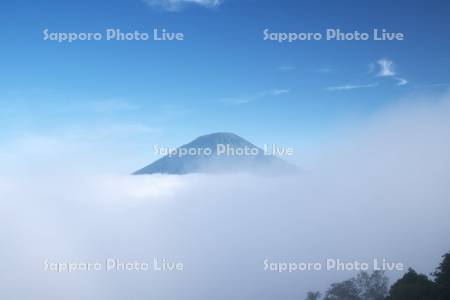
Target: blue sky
223,76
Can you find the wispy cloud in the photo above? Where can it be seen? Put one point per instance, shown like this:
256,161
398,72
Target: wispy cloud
386,68
348,87
401,81
382,68
286,68
177,5
278,92
324,70
254,97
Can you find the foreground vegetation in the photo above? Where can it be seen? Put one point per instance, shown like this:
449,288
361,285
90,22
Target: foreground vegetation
375,286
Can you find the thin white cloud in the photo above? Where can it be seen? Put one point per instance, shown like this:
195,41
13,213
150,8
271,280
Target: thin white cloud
278,92
348,87
258,96
324,70
286,68
177,5
386,68
401,81
93,144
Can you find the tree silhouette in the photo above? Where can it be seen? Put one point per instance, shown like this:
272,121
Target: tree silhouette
442,278
364,287
346,290
413,286
372,287
313,296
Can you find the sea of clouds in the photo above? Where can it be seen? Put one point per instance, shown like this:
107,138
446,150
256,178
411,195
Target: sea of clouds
380,190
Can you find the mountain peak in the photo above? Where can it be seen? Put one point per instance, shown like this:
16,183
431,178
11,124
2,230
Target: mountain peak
213,139
220,152
220,135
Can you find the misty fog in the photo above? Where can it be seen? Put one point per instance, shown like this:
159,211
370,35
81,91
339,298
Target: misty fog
380,190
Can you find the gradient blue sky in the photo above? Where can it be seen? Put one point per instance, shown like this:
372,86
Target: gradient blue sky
171,92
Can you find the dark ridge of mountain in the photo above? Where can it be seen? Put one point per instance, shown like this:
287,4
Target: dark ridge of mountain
221,152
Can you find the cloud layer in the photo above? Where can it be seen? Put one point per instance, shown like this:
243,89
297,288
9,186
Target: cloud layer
377,190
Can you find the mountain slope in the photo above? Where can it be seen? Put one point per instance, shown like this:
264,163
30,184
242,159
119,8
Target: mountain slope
217,153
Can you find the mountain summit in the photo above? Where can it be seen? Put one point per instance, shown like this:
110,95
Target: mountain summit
221,152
